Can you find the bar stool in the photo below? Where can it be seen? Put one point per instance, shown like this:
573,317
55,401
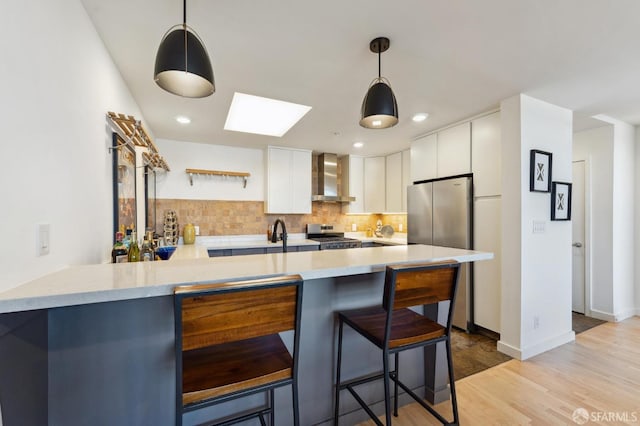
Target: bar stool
228,344
394,328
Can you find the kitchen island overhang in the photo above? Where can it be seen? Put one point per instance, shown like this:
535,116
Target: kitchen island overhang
79,285
101,336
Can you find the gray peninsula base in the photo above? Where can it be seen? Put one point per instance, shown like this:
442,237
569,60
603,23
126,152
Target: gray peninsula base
113,363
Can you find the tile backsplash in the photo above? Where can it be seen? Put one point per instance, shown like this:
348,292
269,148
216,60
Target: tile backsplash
217,217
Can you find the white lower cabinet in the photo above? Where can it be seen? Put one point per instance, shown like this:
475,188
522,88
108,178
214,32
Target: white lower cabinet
487,274
288,181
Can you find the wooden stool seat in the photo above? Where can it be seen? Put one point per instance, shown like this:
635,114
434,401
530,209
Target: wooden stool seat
408,326
393,328
231,367
229,346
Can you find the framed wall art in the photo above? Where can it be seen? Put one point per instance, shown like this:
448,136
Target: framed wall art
124,185
540,171
560,201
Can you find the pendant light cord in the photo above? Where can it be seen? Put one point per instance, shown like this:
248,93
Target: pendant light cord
184,13
379,62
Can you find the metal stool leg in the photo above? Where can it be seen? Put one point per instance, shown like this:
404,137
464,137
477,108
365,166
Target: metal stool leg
452,384
339,362
296,409
387,396
395,396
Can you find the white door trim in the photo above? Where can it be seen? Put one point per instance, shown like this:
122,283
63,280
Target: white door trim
588,272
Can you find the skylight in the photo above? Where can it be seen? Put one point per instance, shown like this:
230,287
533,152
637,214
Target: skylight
263,116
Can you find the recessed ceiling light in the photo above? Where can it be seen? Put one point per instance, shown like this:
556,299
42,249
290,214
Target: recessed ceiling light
183,120
421,116
358,145
263,116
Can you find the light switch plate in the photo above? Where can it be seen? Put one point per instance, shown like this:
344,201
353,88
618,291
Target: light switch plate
538,227
43,232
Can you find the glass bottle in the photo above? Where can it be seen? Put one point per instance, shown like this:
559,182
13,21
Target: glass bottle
147,254
119,253
134,249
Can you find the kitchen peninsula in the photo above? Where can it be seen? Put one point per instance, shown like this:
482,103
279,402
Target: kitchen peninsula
94,344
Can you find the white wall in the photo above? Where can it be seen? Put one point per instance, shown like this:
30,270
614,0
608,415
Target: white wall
57,83
188,155
623,220
541,264
595,147
637,222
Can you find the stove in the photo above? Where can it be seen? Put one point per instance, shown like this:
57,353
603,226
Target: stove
331,237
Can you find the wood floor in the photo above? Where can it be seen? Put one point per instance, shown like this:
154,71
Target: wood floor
597,377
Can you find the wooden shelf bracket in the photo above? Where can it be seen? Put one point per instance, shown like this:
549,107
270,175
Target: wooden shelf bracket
243,175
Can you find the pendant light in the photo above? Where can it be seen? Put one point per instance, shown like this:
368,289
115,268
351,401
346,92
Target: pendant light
183,66
379,107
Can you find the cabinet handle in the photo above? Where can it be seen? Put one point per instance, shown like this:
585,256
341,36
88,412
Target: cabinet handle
577,244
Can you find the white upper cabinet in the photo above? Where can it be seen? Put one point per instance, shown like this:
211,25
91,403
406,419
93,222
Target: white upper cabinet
486,155
394,182
424,158
374,184
288,181
406,176
352,180
454,150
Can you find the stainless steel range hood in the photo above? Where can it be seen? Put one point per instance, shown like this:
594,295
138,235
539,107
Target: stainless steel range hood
328,180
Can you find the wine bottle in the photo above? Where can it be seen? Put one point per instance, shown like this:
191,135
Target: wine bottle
134,250
119,252
147,254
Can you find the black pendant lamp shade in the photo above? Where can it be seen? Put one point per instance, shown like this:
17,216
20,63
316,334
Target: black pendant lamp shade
379,107
183,66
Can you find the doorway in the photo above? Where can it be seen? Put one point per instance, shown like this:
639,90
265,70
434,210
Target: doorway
579,288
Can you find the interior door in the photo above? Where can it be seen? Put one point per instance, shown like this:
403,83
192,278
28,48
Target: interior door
577,219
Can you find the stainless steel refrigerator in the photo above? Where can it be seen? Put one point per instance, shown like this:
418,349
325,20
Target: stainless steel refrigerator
440,213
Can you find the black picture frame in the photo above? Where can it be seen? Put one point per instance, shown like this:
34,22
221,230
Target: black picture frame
561,201
540,168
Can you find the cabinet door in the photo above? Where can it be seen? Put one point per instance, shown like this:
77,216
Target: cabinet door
352,179
406,177
394,182
486,161
454,150
424,158
288,181
374,185
487,275
300,182
278,191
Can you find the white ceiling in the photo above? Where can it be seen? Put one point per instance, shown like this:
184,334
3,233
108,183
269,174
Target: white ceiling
450,58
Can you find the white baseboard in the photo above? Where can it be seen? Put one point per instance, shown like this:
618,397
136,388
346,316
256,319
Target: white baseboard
538,348
617,317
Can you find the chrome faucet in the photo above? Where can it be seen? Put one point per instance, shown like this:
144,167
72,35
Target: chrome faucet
274,235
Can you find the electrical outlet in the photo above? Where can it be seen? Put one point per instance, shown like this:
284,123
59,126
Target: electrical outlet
354,227
536,322
400,228
43,232
197,228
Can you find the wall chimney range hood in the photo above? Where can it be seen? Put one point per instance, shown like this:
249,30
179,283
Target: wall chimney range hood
328,180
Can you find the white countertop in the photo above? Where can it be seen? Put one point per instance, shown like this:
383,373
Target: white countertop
109,282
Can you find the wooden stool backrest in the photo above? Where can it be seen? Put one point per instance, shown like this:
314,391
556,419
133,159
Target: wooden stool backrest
419,284
212,314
